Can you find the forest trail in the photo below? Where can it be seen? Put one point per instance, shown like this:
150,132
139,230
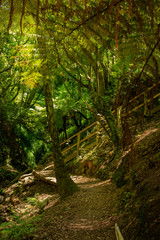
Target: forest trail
92,212
88,214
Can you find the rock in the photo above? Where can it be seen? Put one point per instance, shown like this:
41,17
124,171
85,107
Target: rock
15,201
11,189
2,209
8,199
23,195
28,181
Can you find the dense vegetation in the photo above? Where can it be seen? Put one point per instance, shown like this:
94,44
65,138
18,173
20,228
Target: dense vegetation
97,53
67,63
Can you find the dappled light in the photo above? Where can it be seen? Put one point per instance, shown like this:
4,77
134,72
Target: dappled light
92,225
146,133
79,119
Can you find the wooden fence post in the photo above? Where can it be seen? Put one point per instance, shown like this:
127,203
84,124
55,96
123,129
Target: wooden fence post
145,103
119,116
78,142
97,135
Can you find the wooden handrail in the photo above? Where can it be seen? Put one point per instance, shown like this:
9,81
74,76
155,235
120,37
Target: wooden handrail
79,132
118,233
142,104
91,135
88,127
148,89
69,148
79,141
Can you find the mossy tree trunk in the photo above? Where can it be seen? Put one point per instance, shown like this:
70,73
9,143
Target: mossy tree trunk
65,184
104,108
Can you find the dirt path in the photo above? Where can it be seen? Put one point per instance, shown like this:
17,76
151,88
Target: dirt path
88,214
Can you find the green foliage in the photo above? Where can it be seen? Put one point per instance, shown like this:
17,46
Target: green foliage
69,103
82,67
2,192
39,204
18,228
34,148
124,199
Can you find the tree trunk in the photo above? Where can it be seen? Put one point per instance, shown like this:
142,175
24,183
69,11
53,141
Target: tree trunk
105,109
65,127
65,184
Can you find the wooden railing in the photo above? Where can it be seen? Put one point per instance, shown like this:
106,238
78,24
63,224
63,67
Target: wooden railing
97,125
79,140
118,233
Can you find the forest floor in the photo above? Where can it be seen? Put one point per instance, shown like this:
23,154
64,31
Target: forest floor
92,212
89,214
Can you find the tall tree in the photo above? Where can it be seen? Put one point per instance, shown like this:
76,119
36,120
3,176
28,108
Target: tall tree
79,36
65,184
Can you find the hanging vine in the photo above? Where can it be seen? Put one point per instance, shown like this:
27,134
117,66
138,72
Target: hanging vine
58,6
85,5
130,8
139,17
117,24
150,7
23,12
10,16
37,12
71,5
45,7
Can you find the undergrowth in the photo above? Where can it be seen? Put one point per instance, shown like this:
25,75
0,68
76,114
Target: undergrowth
18,228
39,204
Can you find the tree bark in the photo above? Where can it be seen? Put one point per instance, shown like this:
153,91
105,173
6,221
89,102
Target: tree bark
105,109
65,184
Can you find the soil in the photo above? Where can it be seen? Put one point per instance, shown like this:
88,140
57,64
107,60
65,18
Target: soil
90,214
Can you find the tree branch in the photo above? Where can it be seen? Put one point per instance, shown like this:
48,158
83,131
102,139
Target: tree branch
98,119
113,3
148,58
